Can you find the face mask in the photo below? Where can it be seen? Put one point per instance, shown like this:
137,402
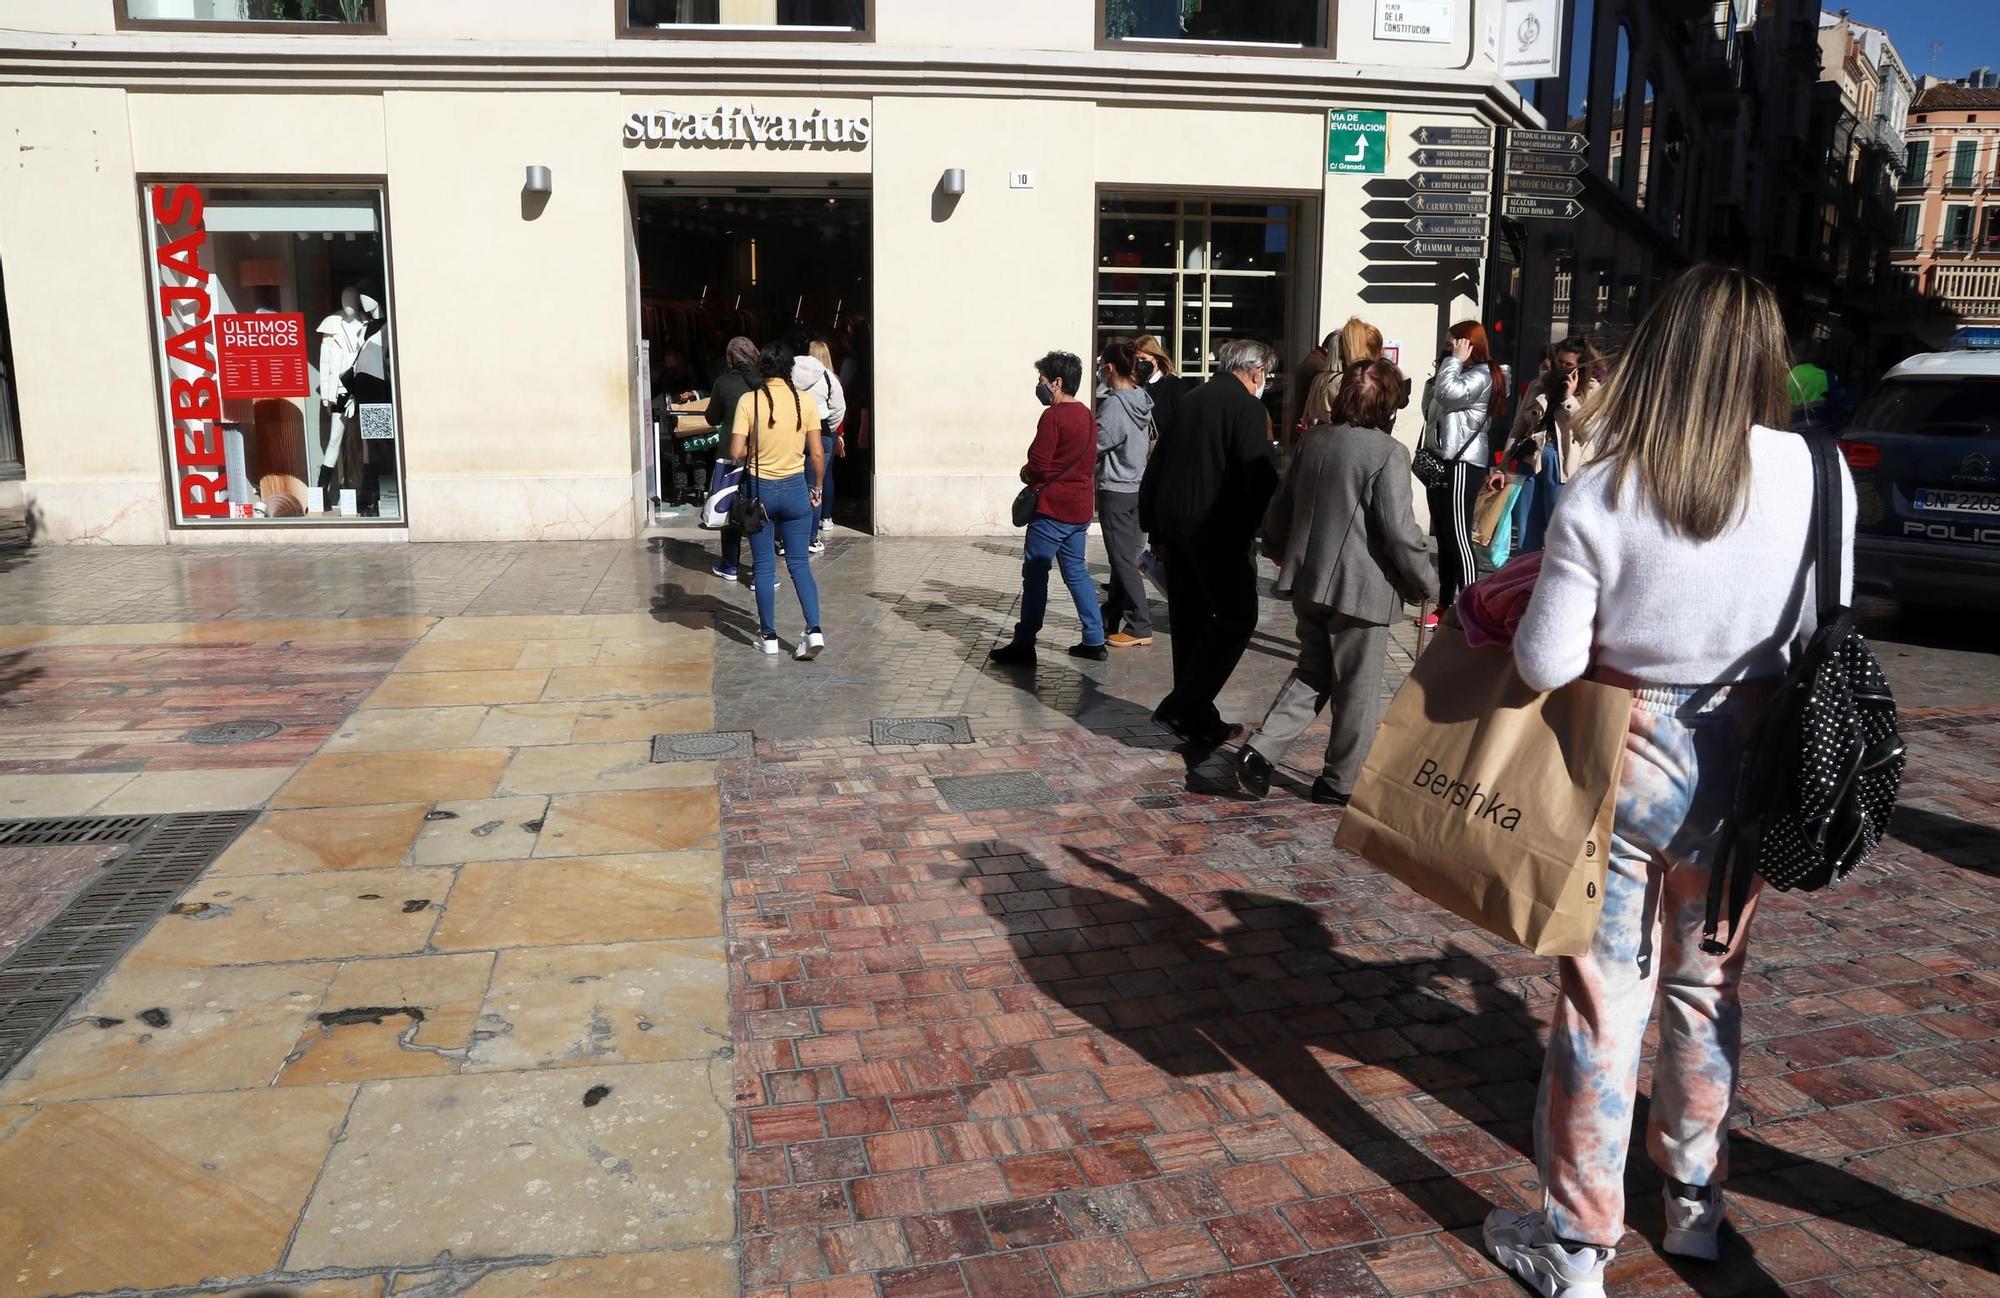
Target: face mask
1145,371
1261,385
350,312
1045,394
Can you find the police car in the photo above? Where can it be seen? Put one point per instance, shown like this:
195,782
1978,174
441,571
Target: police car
1924,450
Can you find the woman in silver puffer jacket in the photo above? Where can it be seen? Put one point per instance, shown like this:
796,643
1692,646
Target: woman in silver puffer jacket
1466,394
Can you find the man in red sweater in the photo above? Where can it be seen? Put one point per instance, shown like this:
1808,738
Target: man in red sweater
1062,469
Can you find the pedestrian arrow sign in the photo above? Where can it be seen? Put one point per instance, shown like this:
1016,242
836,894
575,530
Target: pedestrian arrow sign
1547,141
1544,164
1446,249
1527,207
1462,204
1357,141
1544,186
1475,159
1448,227
1448,182
1457,137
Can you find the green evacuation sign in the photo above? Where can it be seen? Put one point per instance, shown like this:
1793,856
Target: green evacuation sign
1357,141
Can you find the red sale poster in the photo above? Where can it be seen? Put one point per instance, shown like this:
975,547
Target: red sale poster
262,355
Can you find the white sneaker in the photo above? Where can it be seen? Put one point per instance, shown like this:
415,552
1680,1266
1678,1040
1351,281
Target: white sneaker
1693,1224
1522,1243
769,644
809,646
817,547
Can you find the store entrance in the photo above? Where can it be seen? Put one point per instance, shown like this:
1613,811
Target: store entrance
762,264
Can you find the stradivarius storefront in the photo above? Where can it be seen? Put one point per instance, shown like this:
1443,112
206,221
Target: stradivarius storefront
421,292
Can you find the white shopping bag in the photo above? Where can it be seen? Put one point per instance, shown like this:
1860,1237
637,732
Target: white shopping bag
724,479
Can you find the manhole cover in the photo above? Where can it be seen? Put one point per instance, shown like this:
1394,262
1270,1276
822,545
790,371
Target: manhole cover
920,730
223,733
993,792
704,746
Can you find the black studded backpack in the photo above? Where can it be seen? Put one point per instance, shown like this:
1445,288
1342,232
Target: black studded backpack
1819,781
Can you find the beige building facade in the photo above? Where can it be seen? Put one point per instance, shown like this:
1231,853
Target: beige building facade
1948,210
414,270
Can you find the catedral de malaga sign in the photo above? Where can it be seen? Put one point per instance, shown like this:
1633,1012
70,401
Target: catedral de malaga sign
745,124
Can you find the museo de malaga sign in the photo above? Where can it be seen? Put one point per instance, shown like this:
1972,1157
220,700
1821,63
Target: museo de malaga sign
746,124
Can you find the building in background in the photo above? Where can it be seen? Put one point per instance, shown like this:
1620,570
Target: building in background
1947,256
1698,115
1847,285
387,269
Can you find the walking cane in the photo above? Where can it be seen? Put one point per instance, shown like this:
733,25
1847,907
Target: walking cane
1423,630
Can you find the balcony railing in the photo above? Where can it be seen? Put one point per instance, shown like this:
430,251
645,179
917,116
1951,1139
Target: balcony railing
1952,245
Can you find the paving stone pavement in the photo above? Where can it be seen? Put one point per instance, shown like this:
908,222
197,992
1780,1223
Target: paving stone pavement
1134,1042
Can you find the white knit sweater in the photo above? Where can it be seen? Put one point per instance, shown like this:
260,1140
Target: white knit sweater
1621,589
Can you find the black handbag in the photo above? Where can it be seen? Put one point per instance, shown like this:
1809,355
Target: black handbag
747,513
1429,468
1820,778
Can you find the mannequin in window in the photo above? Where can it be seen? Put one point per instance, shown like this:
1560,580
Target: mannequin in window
342,336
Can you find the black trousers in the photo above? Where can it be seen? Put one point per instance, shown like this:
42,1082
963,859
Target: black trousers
1213,597
1451,524
1126,607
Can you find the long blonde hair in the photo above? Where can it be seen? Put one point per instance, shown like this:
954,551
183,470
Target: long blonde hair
1360,342
1708,361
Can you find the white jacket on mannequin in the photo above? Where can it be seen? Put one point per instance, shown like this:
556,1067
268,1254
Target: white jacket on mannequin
341,342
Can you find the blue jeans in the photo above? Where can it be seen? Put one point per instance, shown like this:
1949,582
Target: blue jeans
1050,542
791,512
825,510
1541,492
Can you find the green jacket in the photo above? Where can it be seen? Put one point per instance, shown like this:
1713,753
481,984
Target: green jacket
730,390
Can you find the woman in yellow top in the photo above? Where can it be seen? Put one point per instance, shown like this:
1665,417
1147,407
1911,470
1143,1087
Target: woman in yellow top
776,434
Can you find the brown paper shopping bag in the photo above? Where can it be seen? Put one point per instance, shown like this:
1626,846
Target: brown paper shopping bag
1491,507
1492,800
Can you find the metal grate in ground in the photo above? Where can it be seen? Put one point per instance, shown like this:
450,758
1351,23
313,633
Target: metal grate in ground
49,972
994,792
69,831
704,746
920,730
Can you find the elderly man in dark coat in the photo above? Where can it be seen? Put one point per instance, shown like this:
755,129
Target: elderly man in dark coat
1204,491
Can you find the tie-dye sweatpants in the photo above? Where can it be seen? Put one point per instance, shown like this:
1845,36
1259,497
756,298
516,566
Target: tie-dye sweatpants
1682,755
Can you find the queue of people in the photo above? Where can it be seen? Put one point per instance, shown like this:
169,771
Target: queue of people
1671,530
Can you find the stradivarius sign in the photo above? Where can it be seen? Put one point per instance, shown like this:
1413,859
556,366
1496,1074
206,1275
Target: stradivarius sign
747,124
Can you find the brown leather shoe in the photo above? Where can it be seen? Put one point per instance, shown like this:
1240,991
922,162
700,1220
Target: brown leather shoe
1119,640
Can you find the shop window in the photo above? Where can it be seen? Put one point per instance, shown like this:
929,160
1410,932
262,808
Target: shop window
276,359
1965,163
836,18
1622,128
1579,66
1195,275
10,422
1299,24
1646,142
353,17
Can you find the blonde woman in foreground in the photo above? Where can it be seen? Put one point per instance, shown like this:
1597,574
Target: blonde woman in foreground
1674,568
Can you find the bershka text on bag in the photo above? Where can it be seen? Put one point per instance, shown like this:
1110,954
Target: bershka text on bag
1460,794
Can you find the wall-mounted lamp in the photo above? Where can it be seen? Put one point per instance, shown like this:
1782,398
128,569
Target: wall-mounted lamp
540,180
953,182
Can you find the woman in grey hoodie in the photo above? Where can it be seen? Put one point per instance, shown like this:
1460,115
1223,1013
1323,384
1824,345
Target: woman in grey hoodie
1124,435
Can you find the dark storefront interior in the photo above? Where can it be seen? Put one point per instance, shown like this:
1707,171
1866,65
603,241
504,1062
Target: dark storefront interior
757,263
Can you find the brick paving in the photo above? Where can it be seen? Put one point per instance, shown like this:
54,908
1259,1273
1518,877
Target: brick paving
1137,1042
1150,1043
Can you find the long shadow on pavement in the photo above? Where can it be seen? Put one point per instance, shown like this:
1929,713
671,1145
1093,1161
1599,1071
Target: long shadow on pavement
1190,998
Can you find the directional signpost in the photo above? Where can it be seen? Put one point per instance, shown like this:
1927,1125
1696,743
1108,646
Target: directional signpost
1446,249
1547,141
1456,137
1466,204
1470,159
1449,182
1448,227
1544,164
1453,192
1544,186
1526,207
